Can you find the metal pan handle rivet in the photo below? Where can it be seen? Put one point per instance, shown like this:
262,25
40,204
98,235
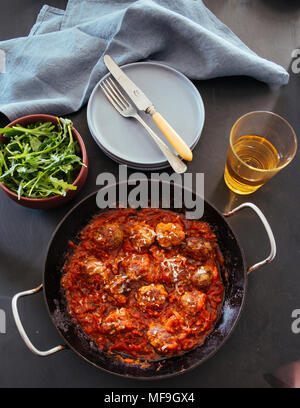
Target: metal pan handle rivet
267,228
21,328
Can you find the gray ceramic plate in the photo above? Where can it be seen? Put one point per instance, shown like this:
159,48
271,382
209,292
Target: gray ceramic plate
125,140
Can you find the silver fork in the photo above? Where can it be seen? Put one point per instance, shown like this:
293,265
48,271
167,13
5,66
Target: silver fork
124,107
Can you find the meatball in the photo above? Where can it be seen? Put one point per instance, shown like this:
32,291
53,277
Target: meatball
202,278
109,236
142,236
116,321
198,248
136,265
173,269
169,234
151,298
193,302
161,339
95,269
119,288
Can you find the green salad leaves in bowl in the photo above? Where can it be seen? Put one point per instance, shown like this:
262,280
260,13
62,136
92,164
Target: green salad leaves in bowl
43,161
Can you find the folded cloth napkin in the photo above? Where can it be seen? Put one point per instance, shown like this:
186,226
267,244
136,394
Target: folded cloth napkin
56,67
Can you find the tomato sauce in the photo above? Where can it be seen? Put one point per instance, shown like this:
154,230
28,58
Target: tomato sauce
144,284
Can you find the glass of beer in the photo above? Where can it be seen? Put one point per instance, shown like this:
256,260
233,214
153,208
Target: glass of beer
261,144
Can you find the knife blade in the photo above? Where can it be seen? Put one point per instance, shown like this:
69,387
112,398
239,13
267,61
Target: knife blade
134,92
144,104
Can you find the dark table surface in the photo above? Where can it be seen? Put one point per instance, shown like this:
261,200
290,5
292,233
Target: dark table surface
263,340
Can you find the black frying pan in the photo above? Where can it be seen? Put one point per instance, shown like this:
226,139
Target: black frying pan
74,337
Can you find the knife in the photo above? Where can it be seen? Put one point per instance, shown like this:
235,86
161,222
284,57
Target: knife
144,104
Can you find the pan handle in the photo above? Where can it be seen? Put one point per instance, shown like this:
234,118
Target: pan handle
268,230
21,328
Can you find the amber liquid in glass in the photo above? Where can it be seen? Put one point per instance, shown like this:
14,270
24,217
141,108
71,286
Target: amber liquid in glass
244,171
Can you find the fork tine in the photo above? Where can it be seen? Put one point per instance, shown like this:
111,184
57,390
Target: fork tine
122,96
112,96
110,99
116,94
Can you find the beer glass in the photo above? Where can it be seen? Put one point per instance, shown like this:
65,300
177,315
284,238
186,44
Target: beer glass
261,144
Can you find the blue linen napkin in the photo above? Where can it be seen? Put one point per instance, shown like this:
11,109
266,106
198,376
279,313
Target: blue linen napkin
56,67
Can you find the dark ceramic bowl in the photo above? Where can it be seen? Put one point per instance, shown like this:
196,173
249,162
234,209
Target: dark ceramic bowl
57,200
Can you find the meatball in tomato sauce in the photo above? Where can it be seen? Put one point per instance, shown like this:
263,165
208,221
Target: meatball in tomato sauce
119,288
109,236
193,302
93,266
198,248
169,234
202,278
163,341
136,265
142,236
151,298
174,269
117,320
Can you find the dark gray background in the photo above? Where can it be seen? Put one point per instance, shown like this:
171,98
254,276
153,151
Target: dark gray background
263,340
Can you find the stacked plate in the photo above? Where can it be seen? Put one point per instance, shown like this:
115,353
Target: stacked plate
124,139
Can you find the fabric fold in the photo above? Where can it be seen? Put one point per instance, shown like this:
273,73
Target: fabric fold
49,19
56,67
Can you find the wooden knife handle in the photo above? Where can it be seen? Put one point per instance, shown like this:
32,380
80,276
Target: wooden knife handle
179,145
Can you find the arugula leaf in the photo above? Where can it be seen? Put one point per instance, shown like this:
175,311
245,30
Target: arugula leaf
35,143
61,183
